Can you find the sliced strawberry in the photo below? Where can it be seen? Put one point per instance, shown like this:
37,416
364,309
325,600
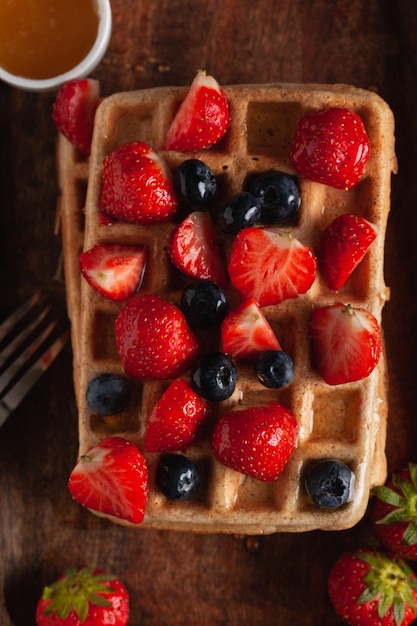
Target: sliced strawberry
202,118
346,342
270,265
112,479
193,251
343,245
153,339
257,441
114,271
331,147
136,185
74,109
246,332
175,418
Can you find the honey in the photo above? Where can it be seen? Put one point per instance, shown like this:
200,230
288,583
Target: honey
41,39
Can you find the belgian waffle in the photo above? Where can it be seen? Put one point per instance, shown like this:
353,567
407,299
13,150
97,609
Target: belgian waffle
348,421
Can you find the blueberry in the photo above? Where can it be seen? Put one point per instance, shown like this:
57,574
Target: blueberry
215,377
109,394
176,476
239,212
274,369
329,483
195,183
279,195
204,304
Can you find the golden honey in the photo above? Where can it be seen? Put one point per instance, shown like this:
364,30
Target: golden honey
41,39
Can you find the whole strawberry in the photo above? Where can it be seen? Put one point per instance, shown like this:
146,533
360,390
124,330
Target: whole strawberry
84,596
153,339
202,118
74,109
394,513
331,147
136,186
257,441
373,588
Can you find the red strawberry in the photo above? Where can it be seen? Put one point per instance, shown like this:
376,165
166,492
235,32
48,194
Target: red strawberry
175,418
84,596
270,265
246,332
331,147
136,186
371,588
74,109
202,118
394,513
153,339
192,249
114,271
343,245
257,441
346,342
112,479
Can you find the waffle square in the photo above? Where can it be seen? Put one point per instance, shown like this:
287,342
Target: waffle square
348,421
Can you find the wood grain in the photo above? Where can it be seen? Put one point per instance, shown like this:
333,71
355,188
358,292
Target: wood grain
181,579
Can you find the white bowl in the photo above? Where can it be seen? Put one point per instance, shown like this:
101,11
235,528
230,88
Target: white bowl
83,69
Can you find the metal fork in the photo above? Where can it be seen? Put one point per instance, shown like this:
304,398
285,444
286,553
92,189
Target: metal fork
30,339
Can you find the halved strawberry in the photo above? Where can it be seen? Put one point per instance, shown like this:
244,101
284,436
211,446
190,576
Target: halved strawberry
74,109
343,245
332,147
115,271
175,418
270,265
346,342
137,186
193,251
202,118
246,332
153,339
112,479
256,441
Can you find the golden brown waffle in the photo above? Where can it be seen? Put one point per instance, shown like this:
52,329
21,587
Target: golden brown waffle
347,422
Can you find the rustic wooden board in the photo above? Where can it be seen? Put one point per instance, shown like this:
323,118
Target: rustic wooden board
177,579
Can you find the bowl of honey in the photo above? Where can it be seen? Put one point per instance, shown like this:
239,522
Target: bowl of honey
45,43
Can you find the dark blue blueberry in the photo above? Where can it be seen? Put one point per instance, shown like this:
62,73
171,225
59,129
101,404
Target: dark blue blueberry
278,194
176,476
240,212
215,377
329,483
274,369
204,304
109,394
195,183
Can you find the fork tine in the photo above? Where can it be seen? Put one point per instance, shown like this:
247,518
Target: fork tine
17,337
30,339
15,393
23,357
13,320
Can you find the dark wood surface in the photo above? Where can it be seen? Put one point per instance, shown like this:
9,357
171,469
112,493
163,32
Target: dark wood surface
178,579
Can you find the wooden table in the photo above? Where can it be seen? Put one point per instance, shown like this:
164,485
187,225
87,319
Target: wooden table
180,578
